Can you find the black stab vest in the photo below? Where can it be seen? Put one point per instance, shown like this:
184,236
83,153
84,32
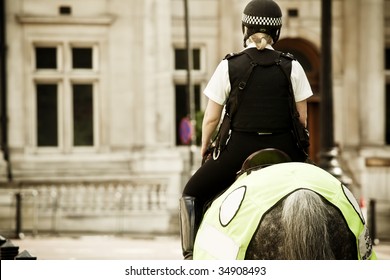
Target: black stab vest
264,103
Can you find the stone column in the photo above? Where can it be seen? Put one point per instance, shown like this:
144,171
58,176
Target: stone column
230,34
371,77
350,127
156,75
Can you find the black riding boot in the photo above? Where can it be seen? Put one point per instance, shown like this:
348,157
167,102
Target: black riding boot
188,226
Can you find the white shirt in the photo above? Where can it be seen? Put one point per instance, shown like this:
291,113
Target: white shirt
218,88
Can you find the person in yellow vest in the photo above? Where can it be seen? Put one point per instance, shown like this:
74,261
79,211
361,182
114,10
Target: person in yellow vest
233,219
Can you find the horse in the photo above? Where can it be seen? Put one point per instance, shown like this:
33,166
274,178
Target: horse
283,211
303,226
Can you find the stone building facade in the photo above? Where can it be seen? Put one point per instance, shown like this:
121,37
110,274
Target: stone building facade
95,99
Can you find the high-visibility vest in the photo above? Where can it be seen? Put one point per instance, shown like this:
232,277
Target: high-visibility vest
233,218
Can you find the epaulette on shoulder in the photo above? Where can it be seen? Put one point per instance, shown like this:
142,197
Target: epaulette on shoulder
288,55
233,54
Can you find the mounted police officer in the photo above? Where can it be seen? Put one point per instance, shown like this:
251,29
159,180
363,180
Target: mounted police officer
253,83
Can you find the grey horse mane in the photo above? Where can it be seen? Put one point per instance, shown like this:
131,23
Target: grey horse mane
303,226
303,220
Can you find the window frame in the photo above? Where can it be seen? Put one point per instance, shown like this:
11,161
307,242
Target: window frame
202,60
64,76
198,78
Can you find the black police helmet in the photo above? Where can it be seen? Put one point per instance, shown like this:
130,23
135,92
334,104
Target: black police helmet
263,16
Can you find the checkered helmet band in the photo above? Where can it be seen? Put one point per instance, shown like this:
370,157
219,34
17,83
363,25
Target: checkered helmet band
262,21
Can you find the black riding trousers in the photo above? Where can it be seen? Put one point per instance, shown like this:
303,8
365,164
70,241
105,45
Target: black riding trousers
215,176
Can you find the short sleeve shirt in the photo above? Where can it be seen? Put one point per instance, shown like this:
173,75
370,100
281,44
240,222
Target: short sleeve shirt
218,88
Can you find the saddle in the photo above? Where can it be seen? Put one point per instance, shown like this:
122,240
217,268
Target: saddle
261,159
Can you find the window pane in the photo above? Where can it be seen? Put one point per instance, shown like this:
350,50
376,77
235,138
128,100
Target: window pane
182,109
197,97
47,115
83,114
46,57
196,59
181,59
82,58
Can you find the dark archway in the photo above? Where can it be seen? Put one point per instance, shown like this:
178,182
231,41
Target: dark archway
308,56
